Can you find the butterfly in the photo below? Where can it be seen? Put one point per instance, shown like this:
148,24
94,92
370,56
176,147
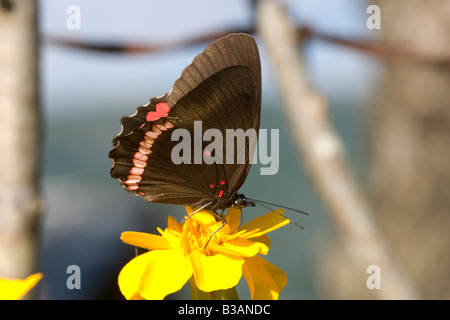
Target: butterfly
220,90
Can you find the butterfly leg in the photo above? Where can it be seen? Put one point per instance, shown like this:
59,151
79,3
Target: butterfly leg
201,208
224,222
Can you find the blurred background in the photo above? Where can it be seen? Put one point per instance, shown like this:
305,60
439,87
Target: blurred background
85,92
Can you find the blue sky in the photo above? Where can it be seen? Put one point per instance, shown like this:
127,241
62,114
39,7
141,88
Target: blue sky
96,80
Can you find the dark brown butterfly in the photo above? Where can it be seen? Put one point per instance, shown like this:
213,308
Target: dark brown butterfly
220,89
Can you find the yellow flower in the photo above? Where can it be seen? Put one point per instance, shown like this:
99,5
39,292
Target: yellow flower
15,289
216,262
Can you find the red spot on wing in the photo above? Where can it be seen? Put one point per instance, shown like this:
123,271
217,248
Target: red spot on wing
222,182
211,186
162,109
220,193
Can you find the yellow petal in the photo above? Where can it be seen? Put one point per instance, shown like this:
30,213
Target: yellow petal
15,289
216,272
172,237
264,224
263,239
237,234
167,272
189,212
264,280
207,220
131,274
173,224
241,247
233,218
145,240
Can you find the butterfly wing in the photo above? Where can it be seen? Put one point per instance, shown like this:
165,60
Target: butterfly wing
220,89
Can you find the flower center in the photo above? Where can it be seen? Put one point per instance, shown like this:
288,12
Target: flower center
200,236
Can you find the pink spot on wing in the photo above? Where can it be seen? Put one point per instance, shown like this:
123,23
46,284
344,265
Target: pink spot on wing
160,127
168,125
137,171
151,134
133,186
145,144
139,164
140,156
162,109
133,179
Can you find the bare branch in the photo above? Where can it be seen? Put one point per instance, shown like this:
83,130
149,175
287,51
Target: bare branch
386,52
121,47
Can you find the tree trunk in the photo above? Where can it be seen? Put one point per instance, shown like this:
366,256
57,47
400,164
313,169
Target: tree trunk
411,144
361,244
20,203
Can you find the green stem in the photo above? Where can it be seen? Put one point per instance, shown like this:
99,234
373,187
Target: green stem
197,294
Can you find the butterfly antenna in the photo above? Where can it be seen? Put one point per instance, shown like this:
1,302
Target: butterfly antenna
265,205
278,205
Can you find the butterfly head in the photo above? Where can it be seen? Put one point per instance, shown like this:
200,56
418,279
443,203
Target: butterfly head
240,201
